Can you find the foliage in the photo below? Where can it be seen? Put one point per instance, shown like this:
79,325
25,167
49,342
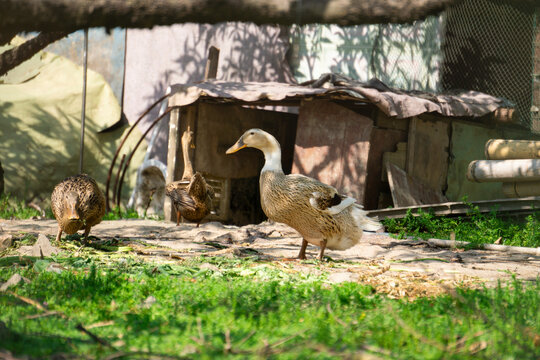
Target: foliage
11,208
118,213
215,307
476,227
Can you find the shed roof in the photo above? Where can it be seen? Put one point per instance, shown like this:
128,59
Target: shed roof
393,102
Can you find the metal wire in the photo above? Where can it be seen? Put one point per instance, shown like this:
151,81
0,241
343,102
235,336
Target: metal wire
83,110
488,46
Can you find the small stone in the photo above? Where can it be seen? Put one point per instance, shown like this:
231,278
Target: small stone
55,267
6,240
43,247
148,302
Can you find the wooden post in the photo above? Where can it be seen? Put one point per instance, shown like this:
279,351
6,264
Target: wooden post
183,125
211,63
172,159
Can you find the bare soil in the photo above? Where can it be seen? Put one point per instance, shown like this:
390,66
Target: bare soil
399,268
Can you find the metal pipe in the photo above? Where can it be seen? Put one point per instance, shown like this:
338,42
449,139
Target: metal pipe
107,186
83,111
119,191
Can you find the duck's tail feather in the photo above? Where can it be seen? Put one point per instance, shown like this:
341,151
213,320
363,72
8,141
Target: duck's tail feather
365,222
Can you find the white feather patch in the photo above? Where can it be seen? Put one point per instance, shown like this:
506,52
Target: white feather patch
336,209
345,203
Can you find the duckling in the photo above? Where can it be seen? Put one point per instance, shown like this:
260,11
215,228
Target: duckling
77,203
193,201
316,210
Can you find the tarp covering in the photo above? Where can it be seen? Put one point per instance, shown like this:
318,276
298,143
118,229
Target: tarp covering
40,125
393,102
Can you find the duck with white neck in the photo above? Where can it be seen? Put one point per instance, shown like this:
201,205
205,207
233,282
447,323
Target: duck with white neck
321,215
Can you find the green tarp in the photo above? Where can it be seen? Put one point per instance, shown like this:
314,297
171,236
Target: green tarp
40,126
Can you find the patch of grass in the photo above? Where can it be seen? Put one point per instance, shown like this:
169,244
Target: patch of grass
476,227
11,208
119,214
215,307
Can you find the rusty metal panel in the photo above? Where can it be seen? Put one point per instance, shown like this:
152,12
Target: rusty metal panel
332,145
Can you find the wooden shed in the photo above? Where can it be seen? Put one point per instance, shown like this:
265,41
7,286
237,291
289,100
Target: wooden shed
362,138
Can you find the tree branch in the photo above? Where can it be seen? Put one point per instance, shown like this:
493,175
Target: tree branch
13,57
70,15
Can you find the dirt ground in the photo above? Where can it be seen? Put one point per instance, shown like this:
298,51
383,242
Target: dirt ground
399,268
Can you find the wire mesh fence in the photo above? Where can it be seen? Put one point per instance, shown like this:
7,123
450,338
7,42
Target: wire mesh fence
483,45
491,46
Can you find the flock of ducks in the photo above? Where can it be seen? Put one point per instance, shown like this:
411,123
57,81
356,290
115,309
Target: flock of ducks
321,215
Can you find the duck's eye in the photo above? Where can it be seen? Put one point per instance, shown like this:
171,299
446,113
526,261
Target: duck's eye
252,133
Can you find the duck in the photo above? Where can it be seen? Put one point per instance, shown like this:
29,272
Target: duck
192,200
191,196
77,203
321,215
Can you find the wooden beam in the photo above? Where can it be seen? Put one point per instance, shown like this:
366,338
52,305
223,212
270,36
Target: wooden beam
526,205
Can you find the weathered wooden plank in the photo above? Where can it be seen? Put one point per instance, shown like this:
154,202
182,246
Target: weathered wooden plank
332,145
381,141
408,191
526,205
398,158
427,152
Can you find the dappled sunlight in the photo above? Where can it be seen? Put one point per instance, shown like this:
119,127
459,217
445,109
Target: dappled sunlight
402,56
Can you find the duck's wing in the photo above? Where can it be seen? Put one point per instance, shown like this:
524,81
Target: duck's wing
198,187
182,200
321,196
331,204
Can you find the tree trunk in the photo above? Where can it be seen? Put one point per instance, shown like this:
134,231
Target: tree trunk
13,57
70,15
6,36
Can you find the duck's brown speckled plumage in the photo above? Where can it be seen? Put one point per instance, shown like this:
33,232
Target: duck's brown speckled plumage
89,207
316,210
285,199
192,199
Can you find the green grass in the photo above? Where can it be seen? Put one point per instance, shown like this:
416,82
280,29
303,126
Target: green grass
119,214
12,208
241,308
476,227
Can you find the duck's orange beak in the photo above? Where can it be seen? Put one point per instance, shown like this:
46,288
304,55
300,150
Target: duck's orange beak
238,146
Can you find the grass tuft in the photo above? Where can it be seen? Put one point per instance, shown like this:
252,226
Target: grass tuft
476,227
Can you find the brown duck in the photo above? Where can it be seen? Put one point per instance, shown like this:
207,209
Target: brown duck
77,203
191,196
193,202
317,211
